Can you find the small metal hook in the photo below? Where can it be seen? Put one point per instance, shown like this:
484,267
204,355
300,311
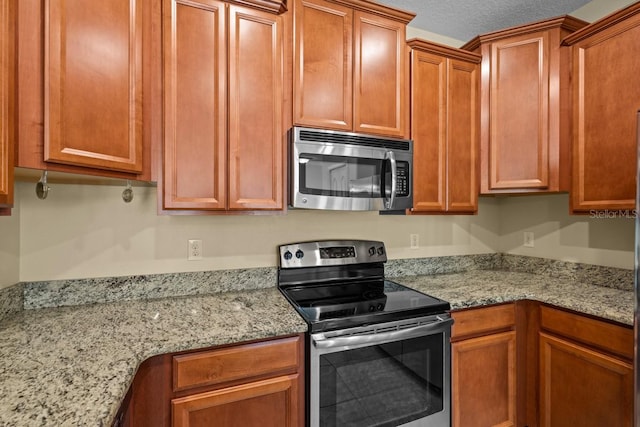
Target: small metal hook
42,189
127,193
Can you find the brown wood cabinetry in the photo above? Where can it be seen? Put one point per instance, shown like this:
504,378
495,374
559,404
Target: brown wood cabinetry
483,375
586,372
223,116
525,126
339,82
606,99
444,128
7,101
255,383
86,76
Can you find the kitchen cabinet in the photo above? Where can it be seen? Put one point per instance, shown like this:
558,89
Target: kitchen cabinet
350,67
444,128
224,124
525,123
7,101
87,86
483,375
253,383
586,371
606,98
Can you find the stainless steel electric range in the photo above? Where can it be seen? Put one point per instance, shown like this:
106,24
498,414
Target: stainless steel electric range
378,352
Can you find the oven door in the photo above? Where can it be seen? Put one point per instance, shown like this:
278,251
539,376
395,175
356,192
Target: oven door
391,374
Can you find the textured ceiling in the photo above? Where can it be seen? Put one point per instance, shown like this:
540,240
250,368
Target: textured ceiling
465,19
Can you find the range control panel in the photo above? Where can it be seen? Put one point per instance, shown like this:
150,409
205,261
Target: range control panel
331,252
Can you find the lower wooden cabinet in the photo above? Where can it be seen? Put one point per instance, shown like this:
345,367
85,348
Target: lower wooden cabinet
483,375
530,364
246,384
272,402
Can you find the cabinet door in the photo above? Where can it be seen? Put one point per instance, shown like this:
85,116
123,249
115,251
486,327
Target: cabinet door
380,76
428,131
323,65
606,101
582,387
518,151
7,100
195,112
256,136
483,381
93,83
462,136
272,402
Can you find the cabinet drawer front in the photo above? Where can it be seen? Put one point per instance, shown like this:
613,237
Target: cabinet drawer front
611,338
235,363
482,320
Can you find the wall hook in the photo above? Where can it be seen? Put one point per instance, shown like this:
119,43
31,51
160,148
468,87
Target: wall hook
42,189
127,193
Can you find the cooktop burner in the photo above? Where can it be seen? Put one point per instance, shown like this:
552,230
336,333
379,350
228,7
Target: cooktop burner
340,284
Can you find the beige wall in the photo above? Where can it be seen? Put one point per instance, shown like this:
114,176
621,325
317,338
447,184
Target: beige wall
598,8
88,231
9,249
434,37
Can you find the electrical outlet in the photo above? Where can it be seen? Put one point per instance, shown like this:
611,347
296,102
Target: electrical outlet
415,241
195,250
528,239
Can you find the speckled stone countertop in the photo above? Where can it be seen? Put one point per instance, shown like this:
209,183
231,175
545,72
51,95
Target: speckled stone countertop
72,366
69,357
478,288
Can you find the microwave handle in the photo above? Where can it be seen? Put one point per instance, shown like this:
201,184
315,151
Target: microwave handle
391,157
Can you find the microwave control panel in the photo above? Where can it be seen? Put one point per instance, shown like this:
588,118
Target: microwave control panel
402,175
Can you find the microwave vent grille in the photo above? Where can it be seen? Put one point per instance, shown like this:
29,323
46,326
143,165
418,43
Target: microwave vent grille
343,138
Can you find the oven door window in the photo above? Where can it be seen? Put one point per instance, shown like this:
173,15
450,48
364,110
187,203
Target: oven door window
340,176
382,385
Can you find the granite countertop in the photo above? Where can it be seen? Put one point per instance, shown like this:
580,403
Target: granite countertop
478,288
72,365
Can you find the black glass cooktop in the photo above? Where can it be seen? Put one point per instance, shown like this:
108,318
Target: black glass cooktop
356,303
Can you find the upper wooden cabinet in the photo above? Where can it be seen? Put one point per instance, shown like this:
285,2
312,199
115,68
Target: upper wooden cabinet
87,74
444,128
606,99
7,101
224,129
525,115
350,67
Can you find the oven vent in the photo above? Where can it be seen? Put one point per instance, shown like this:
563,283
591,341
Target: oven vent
337,313
347,138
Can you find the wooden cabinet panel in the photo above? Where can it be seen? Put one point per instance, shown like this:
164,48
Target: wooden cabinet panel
93,84
482,321
7,100
484,381
525,107
579,386
462,136
518,153
444,128
323,68
429,115
229,364
606,59
272,402
255,110
195,114
380,76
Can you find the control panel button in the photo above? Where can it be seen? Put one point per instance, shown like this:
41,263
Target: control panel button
380,250
372,251
380,306
299,254
288,255
372,308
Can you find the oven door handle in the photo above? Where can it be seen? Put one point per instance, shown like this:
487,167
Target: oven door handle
383,337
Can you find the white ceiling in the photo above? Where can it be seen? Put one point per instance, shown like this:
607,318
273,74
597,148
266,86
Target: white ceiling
465,19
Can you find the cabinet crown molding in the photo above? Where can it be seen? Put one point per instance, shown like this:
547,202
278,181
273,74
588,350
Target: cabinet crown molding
443,50
272,6
565,22
602,24
378,9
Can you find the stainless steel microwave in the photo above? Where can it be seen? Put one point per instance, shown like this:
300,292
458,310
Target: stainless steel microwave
349,171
